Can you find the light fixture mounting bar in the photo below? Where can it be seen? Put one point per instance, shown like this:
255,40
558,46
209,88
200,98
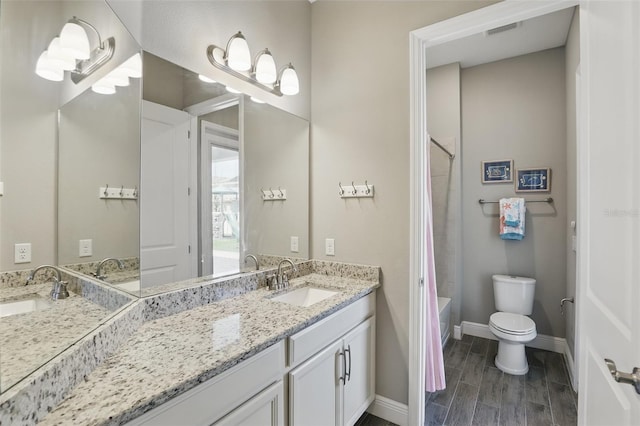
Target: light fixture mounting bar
99,56
274,90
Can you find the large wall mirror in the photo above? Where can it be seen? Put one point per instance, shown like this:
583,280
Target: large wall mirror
223,177
169,179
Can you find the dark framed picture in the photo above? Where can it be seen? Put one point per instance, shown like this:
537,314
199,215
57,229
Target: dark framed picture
533,180
497,171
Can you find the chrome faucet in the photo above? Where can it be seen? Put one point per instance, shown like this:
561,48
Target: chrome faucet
255,259
281,277
59,290
98,274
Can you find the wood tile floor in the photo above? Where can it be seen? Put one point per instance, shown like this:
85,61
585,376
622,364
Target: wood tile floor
478,393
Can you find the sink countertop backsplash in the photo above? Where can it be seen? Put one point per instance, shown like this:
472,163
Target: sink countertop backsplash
127,381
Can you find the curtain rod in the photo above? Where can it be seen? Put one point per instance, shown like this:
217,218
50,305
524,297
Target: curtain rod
451,156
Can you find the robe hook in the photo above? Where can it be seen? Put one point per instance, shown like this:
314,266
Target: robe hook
368,191
341,192
355,191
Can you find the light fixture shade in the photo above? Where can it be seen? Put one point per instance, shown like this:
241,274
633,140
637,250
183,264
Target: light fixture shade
232,90
116,78
256,100
132,66
74,41
47,69
60,58
266,72
238,55
104,87
289,84
205,79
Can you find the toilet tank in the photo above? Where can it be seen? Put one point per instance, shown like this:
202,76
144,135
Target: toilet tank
514,294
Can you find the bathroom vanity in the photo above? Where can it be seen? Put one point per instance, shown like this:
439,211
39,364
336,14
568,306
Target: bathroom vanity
241,359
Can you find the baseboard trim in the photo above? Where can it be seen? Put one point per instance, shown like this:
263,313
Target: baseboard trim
542,341
571,367
389,410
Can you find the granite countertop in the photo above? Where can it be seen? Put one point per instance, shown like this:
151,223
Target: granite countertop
170,355
29,340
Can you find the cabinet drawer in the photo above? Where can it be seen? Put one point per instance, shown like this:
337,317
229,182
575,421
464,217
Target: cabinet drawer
313,338
216,397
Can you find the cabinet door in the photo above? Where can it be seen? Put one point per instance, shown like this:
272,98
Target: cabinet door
359,388
314,389
264,409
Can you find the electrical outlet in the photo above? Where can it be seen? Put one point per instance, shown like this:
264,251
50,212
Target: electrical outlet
22,253
330,247
85,248
294,244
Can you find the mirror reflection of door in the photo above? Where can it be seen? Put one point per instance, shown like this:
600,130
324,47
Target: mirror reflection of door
221,204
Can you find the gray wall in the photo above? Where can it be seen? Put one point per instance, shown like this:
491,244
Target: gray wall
572,50
515,109
27,133
360,130
443,122
282,26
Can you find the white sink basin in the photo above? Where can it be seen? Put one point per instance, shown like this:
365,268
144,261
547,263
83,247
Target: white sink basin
33,303
305,296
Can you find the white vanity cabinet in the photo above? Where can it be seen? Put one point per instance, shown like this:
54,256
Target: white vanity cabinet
250,393
336,385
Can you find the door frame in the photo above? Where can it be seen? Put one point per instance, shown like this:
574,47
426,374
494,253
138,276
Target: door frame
480,20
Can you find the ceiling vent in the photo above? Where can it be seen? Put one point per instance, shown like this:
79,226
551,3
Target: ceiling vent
502,29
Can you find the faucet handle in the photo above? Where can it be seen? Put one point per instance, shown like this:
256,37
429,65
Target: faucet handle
59,290
285,280
272,282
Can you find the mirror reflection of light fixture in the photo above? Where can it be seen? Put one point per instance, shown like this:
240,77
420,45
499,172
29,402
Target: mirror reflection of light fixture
71,51
131,68
206,79
262,73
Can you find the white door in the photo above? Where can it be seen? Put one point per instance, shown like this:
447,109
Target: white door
314,389
164,196
609,211
264,409
359,387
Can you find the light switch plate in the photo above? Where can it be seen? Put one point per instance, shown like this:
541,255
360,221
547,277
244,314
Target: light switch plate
85,248
22,253
294,244
330,247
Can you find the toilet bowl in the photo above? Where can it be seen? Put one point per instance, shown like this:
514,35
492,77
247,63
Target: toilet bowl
511,325
512,331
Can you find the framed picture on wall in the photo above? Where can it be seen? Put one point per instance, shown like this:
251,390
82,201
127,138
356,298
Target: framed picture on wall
497,171
533,180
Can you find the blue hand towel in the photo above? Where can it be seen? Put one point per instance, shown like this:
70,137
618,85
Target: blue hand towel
512,218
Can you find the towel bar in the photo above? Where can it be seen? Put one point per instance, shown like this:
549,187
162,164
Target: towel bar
546,200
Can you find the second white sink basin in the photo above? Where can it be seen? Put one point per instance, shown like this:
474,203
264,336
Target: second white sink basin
305,296
29,304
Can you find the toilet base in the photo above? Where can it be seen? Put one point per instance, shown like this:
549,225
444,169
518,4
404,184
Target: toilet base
511,358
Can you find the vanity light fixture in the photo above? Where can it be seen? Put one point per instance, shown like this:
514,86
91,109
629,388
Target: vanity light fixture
71,51
206,79
262,73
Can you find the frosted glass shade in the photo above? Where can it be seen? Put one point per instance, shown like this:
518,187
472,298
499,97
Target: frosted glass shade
74,41
104,87
232,90
266,68
47,69
238,55
289,84
132,66
60,58
117,78
205,79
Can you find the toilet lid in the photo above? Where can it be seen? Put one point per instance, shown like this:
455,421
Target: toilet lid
512,323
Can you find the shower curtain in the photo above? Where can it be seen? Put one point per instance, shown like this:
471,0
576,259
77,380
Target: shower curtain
434,362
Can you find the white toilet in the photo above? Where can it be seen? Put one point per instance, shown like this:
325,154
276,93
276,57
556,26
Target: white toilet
514,300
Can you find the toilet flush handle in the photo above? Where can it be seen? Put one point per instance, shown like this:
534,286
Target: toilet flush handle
563,301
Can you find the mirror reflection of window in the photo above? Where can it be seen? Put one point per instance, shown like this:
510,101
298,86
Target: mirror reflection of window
225,209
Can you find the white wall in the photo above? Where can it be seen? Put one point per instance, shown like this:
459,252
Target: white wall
515,109
360,130
181,31
443,116
572,51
